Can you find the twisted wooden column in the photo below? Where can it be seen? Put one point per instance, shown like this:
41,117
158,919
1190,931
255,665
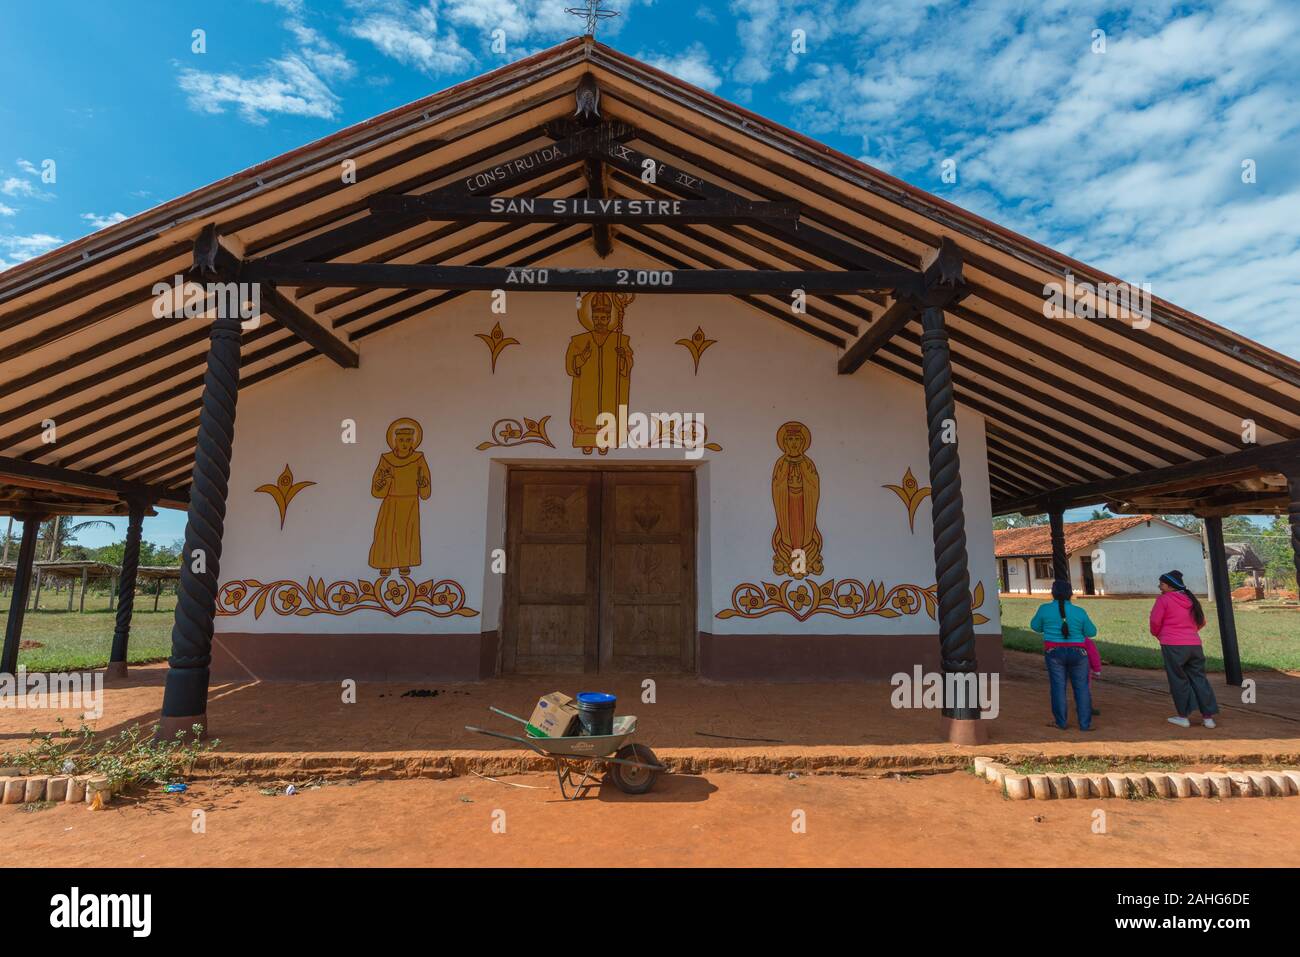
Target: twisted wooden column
126,591
185,696
1060,558
956,626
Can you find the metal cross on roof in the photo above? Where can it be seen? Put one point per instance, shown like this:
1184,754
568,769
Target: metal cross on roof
594,13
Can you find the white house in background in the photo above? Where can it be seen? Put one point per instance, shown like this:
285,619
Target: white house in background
1111,556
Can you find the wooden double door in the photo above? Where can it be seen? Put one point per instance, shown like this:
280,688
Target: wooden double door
600,571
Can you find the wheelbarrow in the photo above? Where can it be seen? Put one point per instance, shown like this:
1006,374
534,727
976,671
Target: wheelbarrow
632,767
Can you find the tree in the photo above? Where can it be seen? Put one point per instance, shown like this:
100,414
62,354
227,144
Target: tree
1018,521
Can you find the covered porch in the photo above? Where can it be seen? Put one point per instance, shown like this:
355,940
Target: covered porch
729,205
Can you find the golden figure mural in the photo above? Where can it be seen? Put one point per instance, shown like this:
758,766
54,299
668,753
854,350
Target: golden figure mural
796,489
401,479
600,363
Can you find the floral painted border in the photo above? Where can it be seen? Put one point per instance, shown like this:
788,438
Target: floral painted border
845,598
393,596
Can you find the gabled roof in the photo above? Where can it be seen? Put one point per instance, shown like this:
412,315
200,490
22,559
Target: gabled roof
1035,541
1072,407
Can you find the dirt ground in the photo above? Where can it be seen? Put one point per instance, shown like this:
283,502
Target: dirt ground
721,820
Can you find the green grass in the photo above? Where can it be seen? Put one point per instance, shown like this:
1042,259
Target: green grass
73,641
1075,765
1269,638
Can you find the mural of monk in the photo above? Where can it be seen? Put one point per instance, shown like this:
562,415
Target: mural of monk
600,364
401,479
796,489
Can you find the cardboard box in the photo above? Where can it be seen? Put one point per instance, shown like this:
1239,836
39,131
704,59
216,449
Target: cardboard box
556,716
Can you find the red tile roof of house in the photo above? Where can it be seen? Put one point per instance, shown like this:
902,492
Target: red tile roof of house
1036,540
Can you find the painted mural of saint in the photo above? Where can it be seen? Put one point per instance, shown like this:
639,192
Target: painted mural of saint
796,489
600,363
401,480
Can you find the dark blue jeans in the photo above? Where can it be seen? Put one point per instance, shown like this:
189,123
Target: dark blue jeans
1071,663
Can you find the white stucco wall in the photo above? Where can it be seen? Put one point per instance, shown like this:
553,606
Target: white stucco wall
867,430
1134,560
1136,557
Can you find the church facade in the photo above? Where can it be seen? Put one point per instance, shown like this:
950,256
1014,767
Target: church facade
747,513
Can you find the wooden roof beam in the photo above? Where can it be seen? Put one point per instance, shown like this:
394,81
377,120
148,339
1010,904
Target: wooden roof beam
85,484
941,285
1278,457
212,260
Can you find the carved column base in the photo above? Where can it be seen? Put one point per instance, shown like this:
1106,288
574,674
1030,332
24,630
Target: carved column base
116,671
169,727
965,730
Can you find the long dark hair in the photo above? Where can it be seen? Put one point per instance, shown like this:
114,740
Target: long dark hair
1174,580
1061,591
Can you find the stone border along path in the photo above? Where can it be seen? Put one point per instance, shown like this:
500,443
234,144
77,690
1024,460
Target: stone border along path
18,788
1138,784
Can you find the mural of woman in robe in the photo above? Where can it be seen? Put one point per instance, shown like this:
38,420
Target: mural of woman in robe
600,363
796,489
401,479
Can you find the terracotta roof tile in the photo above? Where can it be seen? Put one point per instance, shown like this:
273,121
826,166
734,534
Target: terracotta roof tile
1035,541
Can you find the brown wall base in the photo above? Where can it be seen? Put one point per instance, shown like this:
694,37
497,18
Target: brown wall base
317,657
829,657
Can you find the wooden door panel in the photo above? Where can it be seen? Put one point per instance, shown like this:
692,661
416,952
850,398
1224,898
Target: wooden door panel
551,638
647,572
550,622
552,571
647,617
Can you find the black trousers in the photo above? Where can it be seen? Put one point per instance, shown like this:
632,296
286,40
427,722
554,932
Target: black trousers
1190,689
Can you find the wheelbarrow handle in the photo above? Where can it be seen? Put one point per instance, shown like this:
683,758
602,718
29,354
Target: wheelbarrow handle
507,714
508,737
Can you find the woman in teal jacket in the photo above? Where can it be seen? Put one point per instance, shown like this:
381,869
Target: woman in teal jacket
1063,626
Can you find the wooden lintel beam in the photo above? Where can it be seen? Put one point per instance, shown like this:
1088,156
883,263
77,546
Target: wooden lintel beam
588,209
542,279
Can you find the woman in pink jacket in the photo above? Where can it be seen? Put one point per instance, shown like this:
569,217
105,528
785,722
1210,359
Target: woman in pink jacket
1177,620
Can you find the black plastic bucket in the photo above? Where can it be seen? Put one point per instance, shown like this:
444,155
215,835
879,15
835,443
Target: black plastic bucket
596,712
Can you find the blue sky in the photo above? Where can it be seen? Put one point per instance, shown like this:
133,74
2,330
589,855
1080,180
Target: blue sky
1128,156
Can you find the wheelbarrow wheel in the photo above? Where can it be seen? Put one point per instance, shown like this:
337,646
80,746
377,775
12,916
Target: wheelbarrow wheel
634,780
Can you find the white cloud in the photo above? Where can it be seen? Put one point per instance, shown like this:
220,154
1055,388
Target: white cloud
288,86
17,249
411,36
27,166
692,65
99,222
7,210
1129,160
13,186
297,83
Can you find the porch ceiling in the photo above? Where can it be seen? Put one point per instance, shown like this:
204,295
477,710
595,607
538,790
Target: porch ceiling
1076,409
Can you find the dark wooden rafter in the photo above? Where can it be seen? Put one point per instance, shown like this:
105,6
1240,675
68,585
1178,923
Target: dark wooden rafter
1268,458
942,286
504,175
587,113
30,474
213,261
